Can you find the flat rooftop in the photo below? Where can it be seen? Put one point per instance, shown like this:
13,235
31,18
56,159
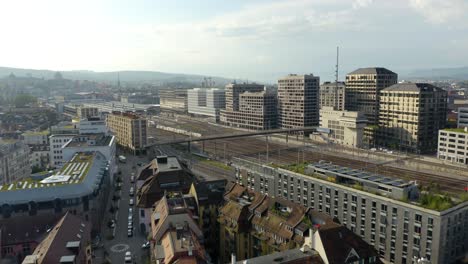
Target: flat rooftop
168,163
359,175
456,130
93,140
78,177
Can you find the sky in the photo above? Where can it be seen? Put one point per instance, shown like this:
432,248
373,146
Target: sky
246,39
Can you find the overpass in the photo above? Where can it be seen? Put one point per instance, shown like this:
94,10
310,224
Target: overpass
234,135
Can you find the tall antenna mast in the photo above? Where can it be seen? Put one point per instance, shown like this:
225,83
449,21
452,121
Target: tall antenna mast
337,101
337,64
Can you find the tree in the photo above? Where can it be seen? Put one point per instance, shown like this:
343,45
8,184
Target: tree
22,100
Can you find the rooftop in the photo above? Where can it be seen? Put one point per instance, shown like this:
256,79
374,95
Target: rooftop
78,177
457,130
412,87
287,256
90,140
372,70
36,133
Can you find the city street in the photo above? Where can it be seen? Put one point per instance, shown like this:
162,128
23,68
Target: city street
116,247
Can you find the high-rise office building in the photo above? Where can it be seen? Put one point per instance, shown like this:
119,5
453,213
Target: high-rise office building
332,95
129,129
362,90
411,115
250,106
298,101
206,101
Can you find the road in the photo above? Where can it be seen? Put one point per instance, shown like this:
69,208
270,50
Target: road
116,247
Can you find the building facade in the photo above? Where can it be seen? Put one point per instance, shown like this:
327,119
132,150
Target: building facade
453,145
363,88
84,112
81,187
131,130
256,111
344,127
14,161
233,90
56,143
374,208
206,102
298,101
173,99
411,115
333,95
462,117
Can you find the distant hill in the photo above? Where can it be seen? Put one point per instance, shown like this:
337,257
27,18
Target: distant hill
125,76
439,74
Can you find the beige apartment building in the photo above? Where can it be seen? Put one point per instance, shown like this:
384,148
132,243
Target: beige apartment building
130,130
363,88
256,111
298,101
333,95
411,115
342,127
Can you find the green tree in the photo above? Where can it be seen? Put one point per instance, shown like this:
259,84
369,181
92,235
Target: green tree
22,100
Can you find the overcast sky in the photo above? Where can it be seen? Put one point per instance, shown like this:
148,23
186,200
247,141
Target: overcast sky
255,39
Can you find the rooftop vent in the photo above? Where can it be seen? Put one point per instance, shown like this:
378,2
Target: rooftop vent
67,259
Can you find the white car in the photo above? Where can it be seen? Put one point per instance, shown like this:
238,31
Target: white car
130,202
132,179
128,257
130,210
146,245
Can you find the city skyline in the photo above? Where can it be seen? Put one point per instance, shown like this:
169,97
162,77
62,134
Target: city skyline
272,38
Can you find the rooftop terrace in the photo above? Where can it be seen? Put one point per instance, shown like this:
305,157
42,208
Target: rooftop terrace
80,176
458,130
90,140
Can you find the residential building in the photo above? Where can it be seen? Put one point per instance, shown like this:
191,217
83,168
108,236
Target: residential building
84,112
386,212
81,187
254,224
14,161
93,125
163,174
35,137
209,196
206,102
298,101
255,111
342,127
332,94
40,156
453,145
19,236
69,241
411,115
462,117
363,88
129,129
56,143
175,235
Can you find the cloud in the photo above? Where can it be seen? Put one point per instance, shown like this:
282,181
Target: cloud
442,11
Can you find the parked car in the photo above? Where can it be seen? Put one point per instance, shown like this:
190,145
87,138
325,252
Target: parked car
132,191
128,257
130,202
132,179
146,245
130,218
130,210
130,233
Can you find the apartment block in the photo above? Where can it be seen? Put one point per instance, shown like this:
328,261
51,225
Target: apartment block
298,101
411,115
254,224
14,161
453,145
332,94
462,117
386,212
206,102
342,127
130,130
86,112
363,88
257,111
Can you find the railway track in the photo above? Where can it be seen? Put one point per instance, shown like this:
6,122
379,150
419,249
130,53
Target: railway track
255,149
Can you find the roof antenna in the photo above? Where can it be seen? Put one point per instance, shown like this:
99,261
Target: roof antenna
337,64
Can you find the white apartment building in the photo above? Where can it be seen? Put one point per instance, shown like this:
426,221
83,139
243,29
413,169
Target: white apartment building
453,145
93,125
342,127
56,143
14,161
463,117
